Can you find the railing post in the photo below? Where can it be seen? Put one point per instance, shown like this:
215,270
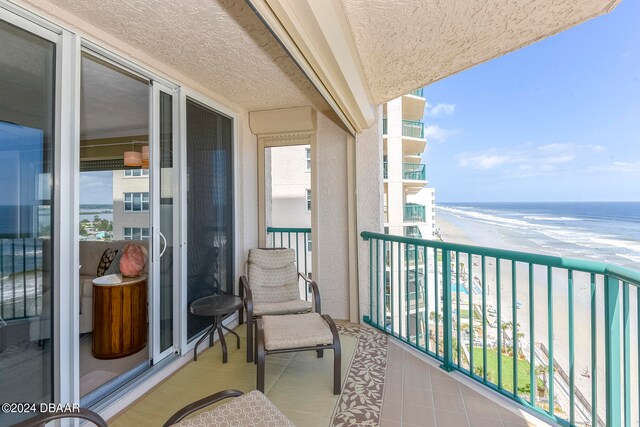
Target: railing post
613,339
446,311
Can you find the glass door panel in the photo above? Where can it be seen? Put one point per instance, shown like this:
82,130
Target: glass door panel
210,247
164,206
27,94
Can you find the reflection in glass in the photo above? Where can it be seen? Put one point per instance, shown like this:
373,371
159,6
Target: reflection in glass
166,221
27,76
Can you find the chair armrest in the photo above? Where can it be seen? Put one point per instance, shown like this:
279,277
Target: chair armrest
45,417
201,404
315,291
245,294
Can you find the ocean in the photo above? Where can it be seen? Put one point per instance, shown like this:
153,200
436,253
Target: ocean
602,231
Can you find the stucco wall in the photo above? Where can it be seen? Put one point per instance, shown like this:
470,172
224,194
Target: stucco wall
369,199
332,270
246,192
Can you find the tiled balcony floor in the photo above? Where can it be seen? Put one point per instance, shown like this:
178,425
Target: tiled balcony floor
418,393
383,384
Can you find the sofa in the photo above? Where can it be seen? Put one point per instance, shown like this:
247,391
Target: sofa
90,253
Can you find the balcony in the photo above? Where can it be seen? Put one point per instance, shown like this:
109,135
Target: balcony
410,128
552,334
414,171
395,382
410,171
414,213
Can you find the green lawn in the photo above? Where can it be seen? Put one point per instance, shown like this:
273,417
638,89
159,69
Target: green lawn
507,368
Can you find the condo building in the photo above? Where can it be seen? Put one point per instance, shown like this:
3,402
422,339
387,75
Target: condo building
409,207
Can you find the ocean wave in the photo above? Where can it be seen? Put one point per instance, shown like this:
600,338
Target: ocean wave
548,218
604,243
618,243
485,217
634,258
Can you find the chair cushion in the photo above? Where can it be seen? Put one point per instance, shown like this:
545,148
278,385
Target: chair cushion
250,409
272,258
285,307
295,331
273,284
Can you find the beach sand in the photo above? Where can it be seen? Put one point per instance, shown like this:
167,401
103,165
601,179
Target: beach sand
462,233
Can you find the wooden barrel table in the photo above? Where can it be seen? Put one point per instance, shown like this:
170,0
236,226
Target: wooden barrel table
119,318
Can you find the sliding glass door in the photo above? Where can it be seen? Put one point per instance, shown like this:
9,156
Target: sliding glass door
210,248
27,99
165,204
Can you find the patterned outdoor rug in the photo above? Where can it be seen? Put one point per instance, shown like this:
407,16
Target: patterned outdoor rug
360,403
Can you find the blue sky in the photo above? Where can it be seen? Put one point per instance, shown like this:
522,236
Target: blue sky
555,121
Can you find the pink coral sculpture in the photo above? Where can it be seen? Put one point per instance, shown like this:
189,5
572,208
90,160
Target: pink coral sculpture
134,258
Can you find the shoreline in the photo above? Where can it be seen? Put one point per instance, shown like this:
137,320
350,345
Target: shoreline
455,230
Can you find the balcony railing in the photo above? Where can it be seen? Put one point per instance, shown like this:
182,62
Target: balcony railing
20,278
553,334
298,239
416,171
417,92
410,128
414,213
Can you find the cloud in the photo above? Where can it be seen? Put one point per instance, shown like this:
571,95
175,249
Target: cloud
440,110
625,167
528,160
436,133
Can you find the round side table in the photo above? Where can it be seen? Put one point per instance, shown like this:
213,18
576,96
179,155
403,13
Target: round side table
119,318
218,307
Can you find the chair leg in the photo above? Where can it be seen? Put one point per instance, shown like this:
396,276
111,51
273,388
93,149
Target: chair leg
260,357
250,326
337,355
337,368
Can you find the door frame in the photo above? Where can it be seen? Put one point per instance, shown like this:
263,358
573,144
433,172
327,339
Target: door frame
154,284
185,344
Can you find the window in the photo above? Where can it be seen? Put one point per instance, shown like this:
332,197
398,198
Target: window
128,173
308,151
309,245
136,202
308,200
136,233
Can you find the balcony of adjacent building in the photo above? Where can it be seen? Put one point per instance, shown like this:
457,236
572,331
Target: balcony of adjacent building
414,176
413,104
414,212
413,141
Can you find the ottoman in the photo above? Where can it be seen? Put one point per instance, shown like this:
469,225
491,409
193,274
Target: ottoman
297,332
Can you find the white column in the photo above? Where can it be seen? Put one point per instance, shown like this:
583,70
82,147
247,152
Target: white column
369,199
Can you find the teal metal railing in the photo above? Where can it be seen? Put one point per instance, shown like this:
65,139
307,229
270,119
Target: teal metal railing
417,92
298,239
410,128
415,171
414,213
554,334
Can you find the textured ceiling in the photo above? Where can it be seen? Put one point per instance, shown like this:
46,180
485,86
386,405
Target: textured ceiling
236,58
112,103
409,44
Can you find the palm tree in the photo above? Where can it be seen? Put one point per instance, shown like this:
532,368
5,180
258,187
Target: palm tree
541,371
